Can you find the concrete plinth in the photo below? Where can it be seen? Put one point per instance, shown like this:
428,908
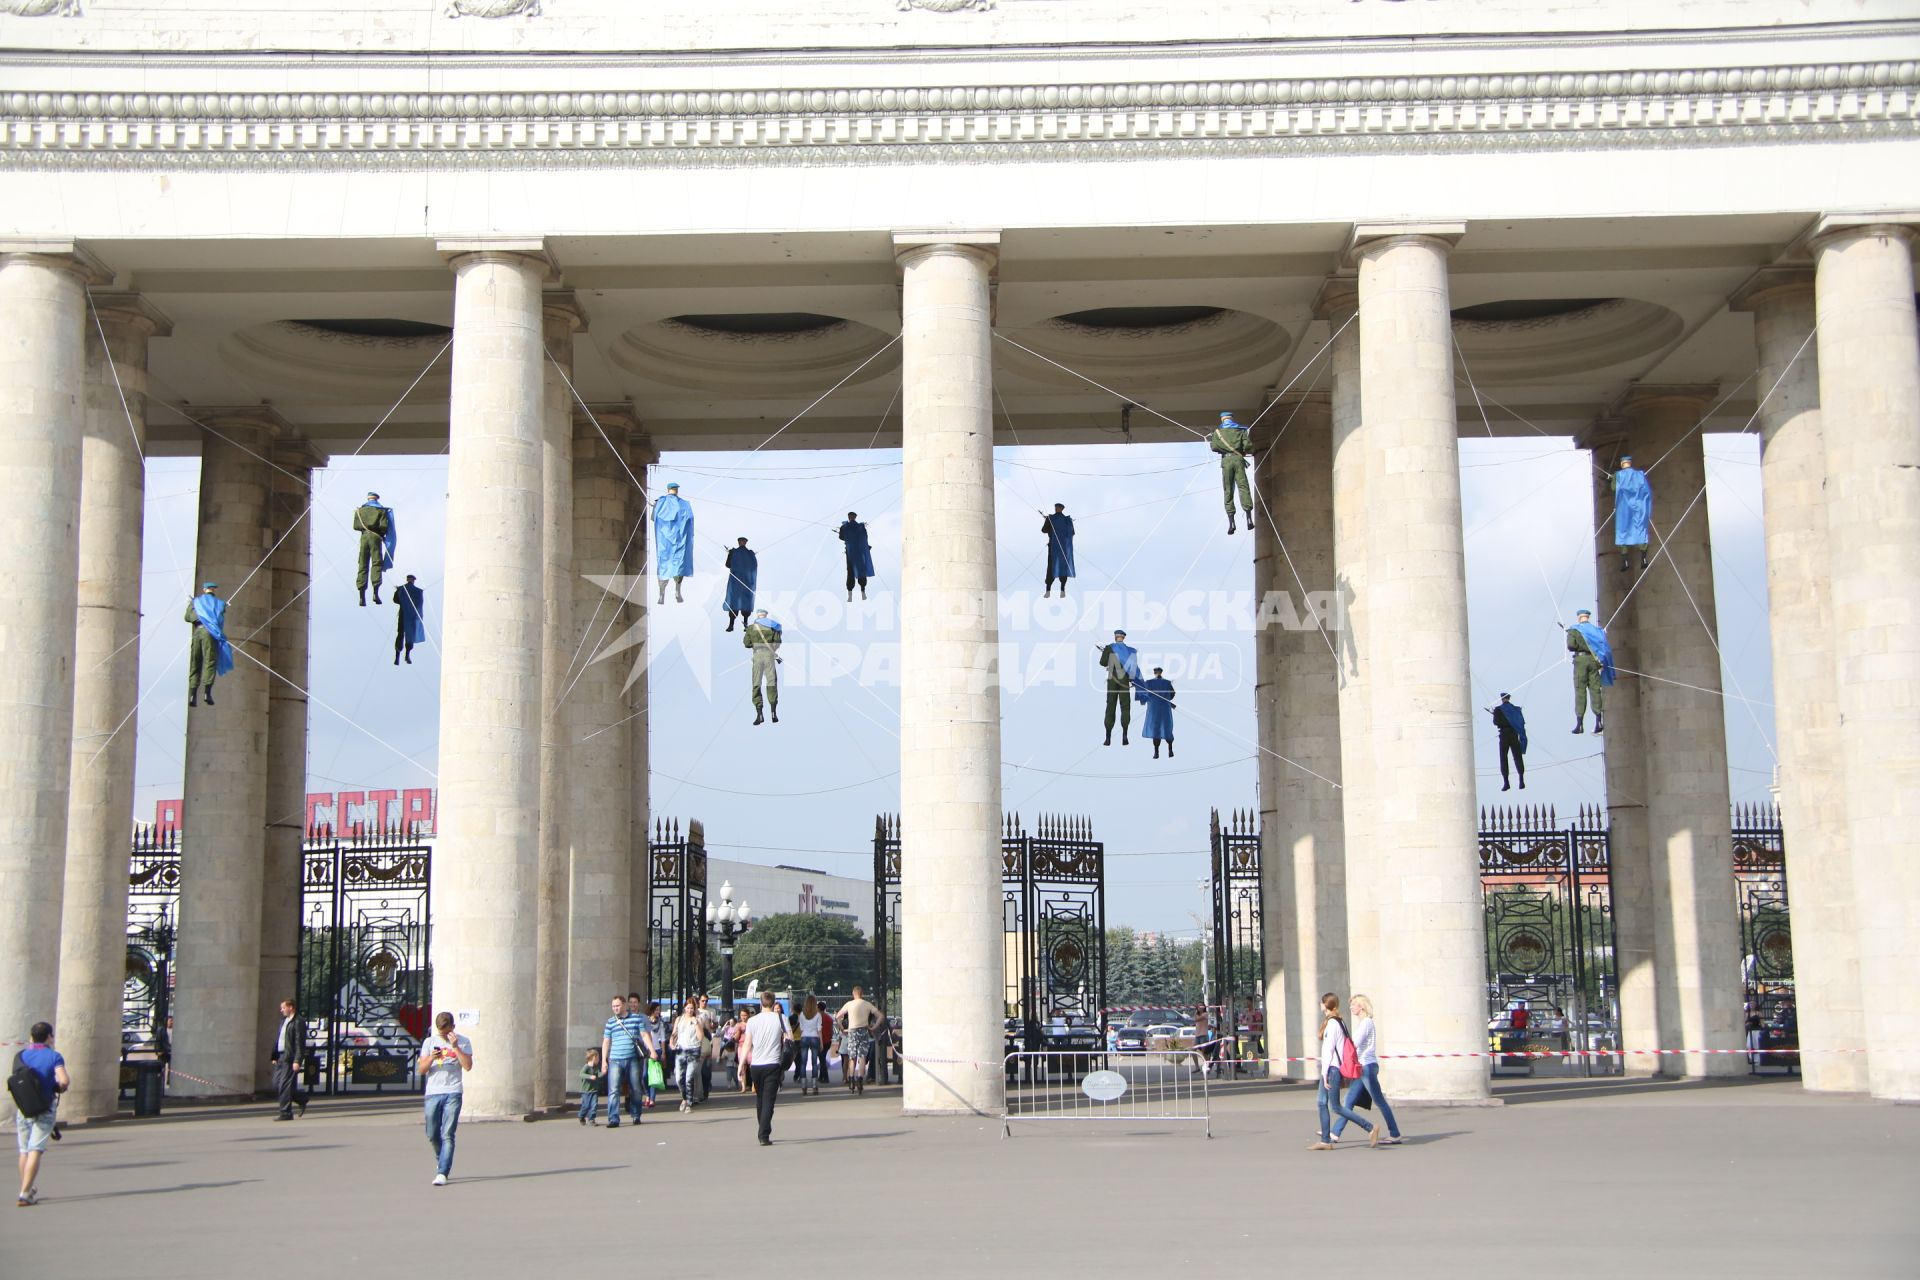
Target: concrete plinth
953,971
106,689
1806,714
561,317
487,857
1302,857
1631,888
1870,394
1423,864
217,982
292,568
1670,611
606,507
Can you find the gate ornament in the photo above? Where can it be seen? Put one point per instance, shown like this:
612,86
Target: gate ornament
41,8
493,8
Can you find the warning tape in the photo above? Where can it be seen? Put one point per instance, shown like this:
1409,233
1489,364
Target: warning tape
1509,1053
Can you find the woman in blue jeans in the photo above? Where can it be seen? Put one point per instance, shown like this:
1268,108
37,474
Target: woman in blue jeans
445,1059
1362,1009
1333,1040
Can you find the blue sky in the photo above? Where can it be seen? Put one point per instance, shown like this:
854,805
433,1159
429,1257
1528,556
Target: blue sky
806,792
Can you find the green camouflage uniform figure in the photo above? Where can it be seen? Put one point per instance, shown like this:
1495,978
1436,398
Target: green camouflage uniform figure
1587,681
203,655
372,522
762,636
1119,684
1231,442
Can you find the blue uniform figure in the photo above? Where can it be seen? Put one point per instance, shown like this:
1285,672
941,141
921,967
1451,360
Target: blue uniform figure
1512,728
1632,511
859,554
1157,694
672,541
743,575
1059,530
412,630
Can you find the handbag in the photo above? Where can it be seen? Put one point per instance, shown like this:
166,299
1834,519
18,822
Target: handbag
1349,1057
656,1078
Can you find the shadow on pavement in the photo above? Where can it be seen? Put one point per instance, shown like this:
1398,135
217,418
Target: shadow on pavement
1519,1094
542,1173
156,1191
843,1137
133,1164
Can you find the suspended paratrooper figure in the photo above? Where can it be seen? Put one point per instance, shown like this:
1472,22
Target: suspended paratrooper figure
410,604
1632,511
1121,662
762,637
1592,670
743,576
208,653
1157,694
1231,441
1511,724
859,554
379,536
673,540
1058,529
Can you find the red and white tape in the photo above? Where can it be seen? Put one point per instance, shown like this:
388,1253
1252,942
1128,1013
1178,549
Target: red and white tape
1512,1053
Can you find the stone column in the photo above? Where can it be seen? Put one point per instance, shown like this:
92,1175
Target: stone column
1813,809
602,778
42,365
640,455
1302,858
222,871
953,972
93,917
1870,391
1423,868
561,317
487,860
286,814
1631,886
1338,305
1696,937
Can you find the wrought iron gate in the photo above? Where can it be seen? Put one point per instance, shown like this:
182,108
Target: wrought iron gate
1766,929
1239,972
1053,911
676,912
153,909
1550,944
363,975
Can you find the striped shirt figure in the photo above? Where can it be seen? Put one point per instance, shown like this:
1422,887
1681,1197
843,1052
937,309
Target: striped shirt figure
623,1034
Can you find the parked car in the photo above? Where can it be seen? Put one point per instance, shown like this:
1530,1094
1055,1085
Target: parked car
1131,1039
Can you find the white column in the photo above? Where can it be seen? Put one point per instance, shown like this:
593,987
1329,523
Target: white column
640,455
286,812
1696,939
1632,889
602,777
486,872
1806,714
1302,857
561,317
953,971
93,917
1424,867
222,871
1870,392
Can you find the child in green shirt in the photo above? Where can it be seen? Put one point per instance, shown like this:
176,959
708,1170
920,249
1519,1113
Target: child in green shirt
592,1079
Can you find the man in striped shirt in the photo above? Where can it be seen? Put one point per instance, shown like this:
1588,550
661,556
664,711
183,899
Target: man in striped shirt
625,1045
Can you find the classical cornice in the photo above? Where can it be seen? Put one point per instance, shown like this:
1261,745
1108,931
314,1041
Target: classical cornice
1708,107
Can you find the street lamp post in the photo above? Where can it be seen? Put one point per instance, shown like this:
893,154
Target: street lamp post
727,922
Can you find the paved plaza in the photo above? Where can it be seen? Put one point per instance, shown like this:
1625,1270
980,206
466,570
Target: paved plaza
1640,1178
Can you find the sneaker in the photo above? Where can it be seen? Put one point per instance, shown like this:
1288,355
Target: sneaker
1321,1146
30,1199
439,1179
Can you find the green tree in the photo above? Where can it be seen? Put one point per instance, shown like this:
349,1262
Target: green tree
803,953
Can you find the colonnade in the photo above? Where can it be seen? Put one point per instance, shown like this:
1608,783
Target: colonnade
539,900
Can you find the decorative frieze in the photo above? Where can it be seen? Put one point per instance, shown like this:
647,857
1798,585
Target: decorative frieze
1715,106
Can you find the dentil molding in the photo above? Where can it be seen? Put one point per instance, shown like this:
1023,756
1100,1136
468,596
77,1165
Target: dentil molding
1710,106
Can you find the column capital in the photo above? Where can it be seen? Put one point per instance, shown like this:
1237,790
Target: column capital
560,307
1606,434
59,253
1641,396
458,248
132,310
1338,299
617,418
261,422
1902,223
1779,280
292,451
1366,236
981,245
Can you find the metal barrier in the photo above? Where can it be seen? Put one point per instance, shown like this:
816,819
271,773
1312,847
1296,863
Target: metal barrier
1151,1088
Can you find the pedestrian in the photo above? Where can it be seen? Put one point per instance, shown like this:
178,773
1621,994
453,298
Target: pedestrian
1368,1050
41,1074
445,1059
1203,1040
662,1053
856,1020
689,1041
736,1035
767,1039
621,1048
812,1038
1339,1061
289,1055
710,1029
591,1078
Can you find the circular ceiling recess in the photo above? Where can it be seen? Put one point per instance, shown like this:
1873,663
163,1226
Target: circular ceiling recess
342,361
760,354
1524,339
1147,347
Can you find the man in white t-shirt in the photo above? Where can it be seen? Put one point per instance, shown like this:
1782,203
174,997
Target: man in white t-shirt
767,1037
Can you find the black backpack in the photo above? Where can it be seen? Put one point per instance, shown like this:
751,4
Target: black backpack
29,1095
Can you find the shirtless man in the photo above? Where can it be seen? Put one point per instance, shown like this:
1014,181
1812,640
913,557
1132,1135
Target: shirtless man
857,1018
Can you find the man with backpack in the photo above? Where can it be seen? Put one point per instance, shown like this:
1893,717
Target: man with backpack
39,1078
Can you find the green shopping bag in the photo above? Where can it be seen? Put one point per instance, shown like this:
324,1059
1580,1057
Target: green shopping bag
656,1078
